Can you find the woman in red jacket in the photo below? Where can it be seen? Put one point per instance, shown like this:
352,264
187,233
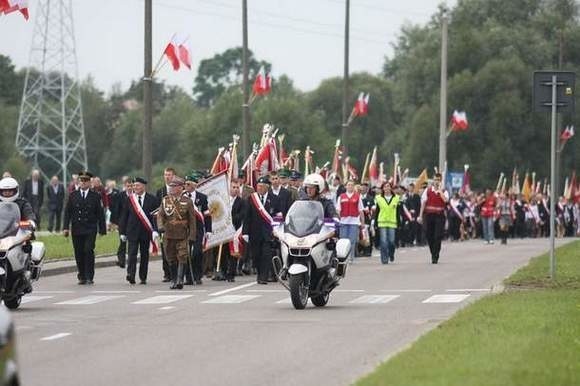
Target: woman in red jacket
488,205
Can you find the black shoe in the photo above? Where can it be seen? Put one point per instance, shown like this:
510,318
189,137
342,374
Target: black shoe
262,282
166,279
90,282
130,279
82,282
188,282
246,271
198,282
143,282
392,258
231,280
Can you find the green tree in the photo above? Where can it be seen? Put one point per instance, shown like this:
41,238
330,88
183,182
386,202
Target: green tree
223,71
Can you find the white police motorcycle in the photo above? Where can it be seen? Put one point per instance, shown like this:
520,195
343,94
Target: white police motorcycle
312,262
20,259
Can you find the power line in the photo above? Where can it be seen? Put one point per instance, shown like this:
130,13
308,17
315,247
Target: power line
382,9
271,25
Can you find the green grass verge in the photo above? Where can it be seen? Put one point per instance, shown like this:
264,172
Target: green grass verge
520,337
60,247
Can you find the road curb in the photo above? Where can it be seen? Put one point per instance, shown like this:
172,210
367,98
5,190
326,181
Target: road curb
68,266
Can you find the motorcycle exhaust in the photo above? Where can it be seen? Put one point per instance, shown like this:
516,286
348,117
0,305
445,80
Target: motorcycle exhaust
277,266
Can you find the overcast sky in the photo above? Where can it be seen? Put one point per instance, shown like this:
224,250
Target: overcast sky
301,38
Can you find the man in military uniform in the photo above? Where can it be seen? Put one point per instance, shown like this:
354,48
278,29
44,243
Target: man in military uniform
84,216
284,196
168,175
203,217
176,220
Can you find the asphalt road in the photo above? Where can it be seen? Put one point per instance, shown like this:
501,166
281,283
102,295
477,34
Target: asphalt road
242,333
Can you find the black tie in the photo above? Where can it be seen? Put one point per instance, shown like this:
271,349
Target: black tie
84,194
140,203
189,195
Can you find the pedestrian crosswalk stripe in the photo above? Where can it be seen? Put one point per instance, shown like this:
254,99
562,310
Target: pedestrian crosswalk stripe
231,299
374,299
233,289
284,301
446,298
162,299
94,299
34,298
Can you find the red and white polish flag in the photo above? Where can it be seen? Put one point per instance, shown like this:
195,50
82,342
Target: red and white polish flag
567,133
9,6
459,121
361,106
177,51
263,83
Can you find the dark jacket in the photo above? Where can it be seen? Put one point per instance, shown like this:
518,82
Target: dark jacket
254,225
285,200
202,206
27,192
55,200
239,211
129,223
26,212
161,192
84,216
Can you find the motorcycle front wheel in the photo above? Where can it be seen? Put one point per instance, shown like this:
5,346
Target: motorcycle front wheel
320,300
13,303
298,291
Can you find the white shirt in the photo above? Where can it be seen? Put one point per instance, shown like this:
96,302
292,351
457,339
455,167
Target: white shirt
276,191
34,188
84,193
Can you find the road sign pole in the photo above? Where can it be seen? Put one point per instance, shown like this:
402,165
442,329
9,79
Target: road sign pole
553,178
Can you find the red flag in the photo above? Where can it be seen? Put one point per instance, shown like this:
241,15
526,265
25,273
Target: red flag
336,158
184,54
171,53
9,6
263,83
459,121
220,163
361,106
567,133
268,153
352,172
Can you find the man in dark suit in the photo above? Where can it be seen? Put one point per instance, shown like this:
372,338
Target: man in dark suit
84,216
168,175
117,201
34,193
138,227
55,194
203,224
257,229
239,208
284,196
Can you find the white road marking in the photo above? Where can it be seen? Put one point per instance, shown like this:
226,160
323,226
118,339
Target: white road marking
93,299
284,301
54,292
233,289
469,290
446,298
347,290
374,299
231,299
407,290
56,336
116,292
162,299
166,308
33,298
180,291
267,291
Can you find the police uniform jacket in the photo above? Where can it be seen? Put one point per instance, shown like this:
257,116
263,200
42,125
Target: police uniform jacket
84,216
129,223
285,200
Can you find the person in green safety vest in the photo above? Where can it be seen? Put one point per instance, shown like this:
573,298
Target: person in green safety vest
386,216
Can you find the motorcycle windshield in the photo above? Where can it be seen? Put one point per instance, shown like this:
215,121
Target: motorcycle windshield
304,218
9,218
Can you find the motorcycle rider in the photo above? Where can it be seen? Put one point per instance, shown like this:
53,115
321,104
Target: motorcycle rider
314,185
9,193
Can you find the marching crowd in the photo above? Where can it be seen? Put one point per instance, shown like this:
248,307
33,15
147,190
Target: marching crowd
178,219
